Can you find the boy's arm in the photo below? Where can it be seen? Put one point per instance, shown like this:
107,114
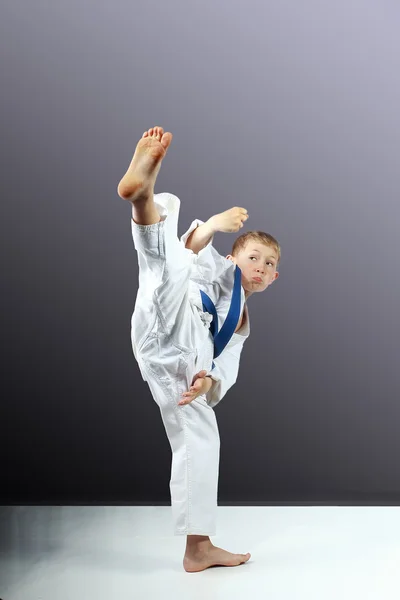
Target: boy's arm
201,236
229,221
208,264
224,374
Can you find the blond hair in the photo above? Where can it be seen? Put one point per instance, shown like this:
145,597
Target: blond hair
257,236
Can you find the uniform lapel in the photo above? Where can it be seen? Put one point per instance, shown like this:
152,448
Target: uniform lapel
222,337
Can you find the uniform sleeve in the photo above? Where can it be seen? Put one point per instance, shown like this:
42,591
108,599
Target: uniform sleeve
208,264
224,374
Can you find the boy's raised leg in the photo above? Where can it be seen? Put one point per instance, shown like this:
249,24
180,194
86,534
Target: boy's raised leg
137,185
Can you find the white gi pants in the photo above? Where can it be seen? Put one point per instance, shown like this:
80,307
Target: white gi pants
171,344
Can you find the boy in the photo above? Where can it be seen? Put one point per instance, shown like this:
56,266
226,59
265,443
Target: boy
171,337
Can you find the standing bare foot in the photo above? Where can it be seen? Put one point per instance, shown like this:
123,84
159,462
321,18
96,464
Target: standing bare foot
199,557
138,182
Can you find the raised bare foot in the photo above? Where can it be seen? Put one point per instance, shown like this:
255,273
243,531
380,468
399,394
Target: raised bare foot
198,560
142,172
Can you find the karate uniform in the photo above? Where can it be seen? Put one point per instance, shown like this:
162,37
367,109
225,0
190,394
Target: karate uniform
171,342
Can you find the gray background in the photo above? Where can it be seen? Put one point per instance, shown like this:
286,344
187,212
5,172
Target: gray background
287,108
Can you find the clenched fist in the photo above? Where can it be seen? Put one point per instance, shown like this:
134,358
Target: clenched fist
230,220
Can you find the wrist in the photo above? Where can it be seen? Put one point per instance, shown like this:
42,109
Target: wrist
213,224
210,382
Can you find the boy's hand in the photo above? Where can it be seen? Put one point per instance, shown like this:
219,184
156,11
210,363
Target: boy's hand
231,220
200,385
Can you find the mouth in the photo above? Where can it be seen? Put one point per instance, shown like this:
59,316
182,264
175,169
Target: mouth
257,279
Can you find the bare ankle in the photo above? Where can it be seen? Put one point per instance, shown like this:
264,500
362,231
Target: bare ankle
197,541
145,212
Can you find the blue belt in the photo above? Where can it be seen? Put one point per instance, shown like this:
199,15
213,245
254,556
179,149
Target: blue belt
222,337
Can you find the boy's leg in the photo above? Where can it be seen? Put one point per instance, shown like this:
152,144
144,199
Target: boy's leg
137,185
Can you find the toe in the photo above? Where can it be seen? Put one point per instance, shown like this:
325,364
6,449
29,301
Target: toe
166,139
151,131
146,133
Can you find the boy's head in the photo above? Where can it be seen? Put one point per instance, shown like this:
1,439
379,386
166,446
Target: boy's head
257,254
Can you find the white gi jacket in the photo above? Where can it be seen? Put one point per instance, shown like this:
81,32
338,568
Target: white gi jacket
214,274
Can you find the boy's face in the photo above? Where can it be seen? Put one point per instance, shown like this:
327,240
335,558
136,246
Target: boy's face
257,262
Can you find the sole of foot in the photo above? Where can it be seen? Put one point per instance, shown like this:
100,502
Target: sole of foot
138,181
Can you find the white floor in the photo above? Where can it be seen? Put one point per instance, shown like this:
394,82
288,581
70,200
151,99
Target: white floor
121,553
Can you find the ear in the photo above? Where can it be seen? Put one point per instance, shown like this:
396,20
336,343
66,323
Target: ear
232,258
